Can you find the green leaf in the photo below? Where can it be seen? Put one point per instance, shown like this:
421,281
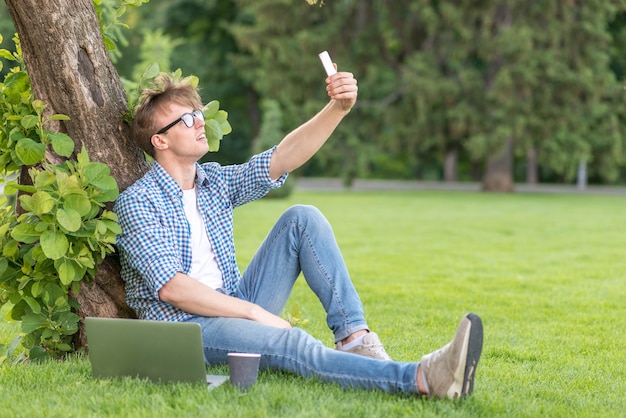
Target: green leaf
107,214
10,188
11,248
214,145
109,44
44,179
68,184
151,72
42,203
213,130
113,226
38,354
32,322
6,54
18,311
210,109
59,116
192,80
34,305
52,292
13,346
64,347
67,320
99,175
38,106
77,202
69,219
62,144
226,128
29,121
24,232
54,244
75,289
14,85
101,227
221,116
29,151
67,273
22,187
4,263
37,288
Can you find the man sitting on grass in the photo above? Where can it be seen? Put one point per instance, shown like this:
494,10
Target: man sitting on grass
178,255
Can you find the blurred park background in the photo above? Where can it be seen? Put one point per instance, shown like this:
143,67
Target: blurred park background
493,92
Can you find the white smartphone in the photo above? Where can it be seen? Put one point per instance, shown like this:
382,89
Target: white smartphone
327,63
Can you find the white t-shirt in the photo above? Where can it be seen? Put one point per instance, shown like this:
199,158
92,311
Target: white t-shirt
204,267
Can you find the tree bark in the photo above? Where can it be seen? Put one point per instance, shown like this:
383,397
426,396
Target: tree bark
450,165
498,174
71,72
532,176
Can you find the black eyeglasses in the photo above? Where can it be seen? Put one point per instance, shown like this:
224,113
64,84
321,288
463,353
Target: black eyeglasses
187,118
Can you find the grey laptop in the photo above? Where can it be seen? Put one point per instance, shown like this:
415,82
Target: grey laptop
158,350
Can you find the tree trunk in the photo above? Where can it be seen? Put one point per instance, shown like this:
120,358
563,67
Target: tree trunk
581,174
71,72
450,165
531,166
498,174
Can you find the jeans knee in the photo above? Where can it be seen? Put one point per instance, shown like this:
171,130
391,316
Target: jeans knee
308,220
304,213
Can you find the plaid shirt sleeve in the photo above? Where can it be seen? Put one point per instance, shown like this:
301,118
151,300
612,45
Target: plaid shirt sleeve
250,181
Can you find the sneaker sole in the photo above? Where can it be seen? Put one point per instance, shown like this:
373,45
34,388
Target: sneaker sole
474,349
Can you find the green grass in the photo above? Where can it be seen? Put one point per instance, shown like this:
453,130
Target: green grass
547,273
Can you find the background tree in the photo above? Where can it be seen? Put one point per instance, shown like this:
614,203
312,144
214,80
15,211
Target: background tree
444,86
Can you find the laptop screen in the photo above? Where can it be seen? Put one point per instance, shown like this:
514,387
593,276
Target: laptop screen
157,350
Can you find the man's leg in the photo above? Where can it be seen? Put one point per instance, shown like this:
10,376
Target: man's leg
446,373
294,350
302,240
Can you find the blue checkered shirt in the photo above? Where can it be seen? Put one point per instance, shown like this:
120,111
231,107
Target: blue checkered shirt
155,241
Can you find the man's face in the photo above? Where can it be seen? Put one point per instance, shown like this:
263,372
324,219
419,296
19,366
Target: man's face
180,141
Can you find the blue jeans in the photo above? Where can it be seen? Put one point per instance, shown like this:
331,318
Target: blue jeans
302,240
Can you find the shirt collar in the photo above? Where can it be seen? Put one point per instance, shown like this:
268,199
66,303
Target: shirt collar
171,186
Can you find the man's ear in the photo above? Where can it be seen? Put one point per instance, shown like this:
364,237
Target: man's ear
158,142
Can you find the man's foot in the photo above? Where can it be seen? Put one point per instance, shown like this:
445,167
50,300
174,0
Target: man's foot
449,372
369,347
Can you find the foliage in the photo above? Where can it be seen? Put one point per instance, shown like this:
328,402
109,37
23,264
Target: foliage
439,79
109,13
62,231
295,317
271,128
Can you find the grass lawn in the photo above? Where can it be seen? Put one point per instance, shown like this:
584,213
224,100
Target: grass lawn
547,273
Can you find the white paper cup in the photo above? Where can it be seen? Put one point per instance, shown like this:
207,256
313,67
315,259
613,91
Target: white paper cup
244,369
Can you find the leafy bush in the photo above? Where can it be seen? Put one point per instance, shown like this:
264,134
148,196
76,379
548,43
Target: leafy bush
63,231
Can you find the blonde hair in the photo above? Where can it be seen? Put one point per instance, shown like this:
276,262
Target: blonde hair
165,89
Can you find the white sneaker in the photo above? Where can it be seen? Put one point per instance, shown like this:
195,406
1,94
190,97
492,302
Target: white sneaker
371,347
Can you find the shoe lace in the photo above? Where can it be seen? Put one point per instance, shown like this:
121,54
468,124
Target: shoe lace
435,355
